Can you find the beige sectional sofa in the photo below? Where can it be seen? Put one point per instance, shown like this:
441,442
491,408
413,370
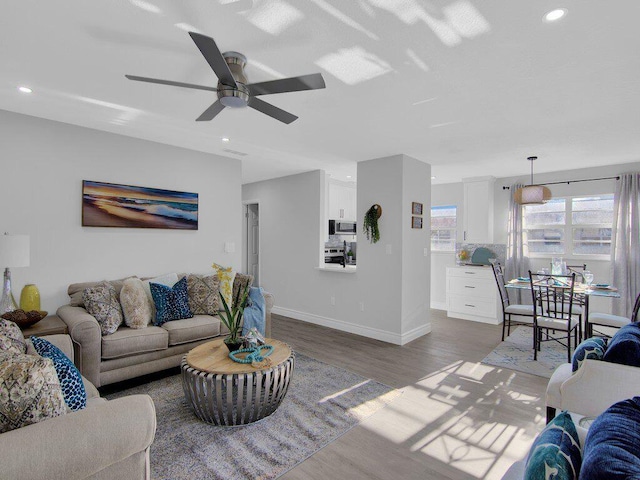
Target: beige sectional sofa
130,353
84,444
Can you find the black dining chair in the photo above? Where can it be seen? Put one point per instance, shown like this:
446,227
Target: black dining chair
553,297
611,321
525,312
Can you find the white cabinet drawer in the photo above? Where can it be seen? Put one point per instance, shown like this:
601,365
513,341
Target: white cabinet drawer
471,272
484,307
471,286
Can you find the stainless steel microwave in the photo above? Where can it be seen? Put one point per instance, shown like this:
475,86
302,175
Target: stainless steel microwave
340,227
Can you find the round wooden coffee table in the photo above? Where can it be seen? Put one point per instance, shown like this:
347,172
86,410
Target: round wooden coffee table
224,392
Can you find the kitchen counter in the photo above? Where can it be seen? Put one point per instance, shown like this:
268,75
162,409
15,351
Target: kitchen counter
337,268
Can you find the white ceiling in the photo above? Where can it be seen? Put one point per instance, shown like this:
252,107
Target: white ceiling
472,87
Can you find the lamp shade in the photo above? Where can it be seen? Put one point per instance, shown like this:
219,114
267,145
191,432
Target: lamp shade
14,250
531,195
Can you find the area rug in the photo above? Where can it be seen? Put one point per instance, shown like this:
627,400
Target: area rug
516,353
323,403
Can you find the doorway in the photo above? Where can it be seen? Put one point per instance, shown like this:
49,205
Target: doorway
252,216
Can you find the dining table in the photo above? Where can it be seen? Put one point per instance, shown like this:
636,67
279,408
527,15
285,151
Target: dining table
581,289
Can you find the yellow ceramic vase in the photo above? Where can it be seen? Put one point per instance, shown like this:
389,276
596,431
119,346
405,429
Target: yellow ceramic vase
30,298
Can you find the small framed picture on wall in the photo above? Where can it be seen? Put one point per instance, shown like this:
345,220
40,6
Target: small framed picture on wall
416,222
416,208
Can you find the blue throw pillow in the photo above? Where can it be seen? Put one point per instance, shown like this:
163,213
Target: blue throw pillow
612,447
624,347
75,396
172,303
555,453
592,348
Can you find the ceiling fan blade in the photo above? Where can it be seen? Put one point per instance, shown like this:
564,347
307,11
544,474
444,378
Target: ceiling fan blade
293,84
170,82
215,108
214,58
271,110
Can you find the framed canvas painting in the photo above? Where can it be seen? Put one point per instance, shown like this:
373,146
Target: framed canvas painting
416,208
113,205
416,222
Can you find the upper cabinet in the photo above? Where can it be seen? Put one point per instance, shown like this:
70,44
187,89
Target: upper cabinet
478,210
342,201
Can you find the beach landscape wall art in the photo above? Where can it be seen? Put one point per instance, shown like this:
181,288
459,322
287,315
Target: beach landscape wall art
112,205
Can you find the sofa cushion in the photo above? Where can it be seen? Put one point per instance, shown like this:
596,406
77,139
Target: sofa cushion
612,448
170,279
129,341
102,302
69,377
240,282
624,347
203,291
75,290
226,275
135,304
592,348
192,329
29,391
172,303
11,338
556,449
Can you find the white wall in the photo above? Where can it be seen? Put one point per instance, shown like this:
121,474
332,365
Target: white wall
452,194
43,165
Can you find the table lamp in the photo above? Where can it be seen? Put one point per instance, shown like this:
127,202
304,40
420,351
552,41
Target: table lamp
14,252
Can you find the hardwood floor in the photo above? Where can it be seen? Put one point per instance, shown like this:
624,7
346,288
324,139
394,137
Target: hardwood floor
456,418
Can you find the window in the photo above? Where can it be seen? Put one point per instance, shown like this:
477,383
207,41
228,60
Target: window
569,226
443,228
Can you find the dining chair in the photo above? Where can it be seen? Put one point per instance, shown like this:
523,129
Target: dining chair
612,321
577,309
578,270
525,311
553,297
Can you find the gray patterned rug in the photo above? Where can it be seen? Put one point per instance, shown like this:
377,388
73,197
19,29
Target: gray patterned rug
516,353
323,403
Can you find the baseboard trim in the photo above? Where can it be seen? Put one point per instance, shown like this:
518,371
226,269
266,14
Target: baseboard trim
369,332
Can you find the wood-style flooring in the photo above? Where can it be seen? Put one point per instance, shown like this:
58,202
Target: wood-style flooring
456,418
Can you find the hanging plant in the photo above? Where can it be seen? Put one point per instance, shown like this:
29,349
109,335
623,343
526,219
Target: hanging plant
370,224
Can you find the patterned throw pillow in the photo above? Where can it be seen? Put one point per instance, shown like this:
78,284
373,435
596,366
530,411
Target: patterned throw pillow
203,294
624,346
75,396
29,391
556,450
169,279
11,338
226,276
102,302
135,304
592,348
239,284
171,303
612,446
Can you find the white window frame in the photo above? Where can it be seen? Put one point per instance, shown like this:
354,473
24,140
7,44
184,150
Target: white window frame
568,228
452,229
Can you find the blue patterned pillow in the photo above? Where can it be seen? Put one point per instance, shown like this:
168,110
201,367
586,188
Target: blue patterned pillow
75,396
555,453
172,303
624,347
592,348
612,447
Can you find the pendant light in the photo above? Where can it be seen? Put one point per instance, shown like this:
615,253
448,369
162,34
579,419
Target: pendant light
532,194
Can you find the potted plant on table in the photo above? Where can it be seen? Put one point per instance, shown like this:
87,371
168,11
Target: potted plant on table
232,319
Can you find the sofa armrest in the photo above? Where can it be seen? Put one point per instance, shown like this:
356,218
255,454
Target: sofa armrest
87,340
63,342
79,444
597,385
268,303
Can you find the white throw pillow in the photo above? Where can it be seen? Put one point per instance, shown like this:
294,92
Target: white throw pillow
135,304
170,279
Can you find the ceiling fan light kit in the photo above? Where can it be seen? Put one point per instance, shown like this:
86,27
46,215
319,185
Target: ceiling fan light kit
532,194
233,90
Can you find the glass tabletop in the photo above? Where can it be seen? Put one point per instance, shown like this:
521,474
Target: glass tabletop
581,288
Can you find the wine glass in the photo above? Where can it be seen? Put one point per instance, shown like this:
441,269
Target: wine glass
588,278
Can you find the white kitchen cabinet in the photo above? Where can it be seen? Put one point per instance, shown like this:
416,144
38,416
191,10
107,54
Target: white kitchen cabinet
342,201
478,210
472,294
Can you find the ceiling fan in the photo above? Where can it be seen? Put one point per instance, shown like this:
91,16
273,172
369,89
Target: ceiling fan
233,90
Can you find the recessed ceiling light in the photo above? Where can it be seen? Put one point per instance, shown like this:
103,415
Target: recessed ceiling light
348,176
225,139
433,178
555,15
25,89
